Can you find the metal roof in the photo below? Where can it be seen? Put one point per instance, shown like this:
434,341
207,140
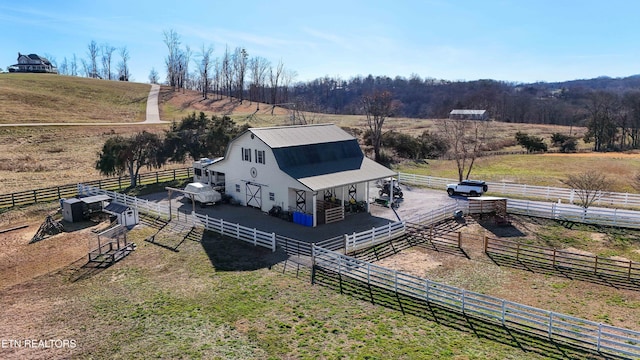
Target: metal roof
285,136
467,112
94,199
369,170
115,208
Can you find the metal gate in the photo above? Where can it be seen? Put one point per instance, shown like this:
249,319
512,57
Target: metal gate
254,195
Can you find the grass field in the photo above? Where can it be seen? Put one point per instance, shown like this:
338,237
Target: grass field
234,301
219,298
47,98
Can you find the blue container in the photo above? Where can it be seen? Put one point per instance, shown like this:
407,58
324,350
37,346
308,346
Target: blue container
309,220
296,217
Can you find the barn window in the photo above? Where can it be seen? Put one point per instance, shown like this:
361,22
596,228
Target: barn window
246,154
260,156
272,196
198,172
237,187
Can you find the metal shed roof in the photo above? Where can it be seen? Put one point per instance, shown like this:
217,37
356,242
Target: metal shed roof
94,199
369,170
115,208
285,136
467,112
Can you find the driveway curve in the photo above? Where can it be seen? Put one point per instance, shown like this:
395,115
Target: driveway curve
152,115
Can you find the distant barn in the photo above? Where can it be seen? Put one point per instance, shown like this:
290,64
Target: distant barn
458,114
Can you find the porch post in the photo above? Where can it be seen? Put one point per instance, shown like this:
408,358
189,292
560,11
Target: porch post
315,214
366,191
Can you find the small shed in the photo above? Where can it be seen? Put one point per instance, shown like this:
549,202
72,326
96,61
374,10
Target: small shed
125,215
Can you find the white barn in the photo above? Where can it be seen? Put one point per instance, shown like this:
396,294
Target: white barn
304,169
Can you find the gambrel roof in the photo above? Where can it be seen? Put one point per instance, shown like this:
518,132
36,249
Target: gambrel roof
320,156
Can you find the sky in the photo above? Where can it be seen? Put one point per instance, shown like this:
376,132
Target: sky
509,40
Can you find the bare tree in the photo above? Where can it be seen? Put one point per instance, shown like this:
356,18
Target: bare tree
92,51
123,66
274,78
465,138
240,60
226,72
107,56
604,108
377,107
73,71
288,76
588,186
153,76
204,69
64,67
172,41
86,68
258,67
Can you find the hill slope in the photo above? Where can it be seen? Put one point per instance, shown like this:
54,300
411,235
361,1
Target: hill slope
46,98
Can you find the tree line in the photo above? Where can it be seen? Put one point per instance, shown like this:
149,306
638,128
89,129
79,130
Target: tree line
195,136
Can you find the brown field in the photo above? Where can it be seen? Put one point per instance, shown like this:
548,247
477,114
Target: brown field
69,99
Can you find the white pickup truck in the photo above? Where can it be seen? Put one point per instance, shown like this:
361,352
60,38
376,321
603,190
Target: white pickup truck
468,187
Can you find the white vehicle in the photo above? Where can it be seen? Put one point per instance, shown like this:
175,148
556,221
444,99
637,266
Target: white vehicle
202,193
468,187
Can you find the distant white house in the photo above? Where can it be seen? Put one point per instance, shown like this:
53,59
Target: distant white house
304,169
33,63
459,114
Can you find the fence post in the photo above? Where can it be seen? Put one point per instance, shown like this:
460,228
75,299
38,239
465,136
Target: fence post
395,281
554,257
368,273
255,239
464,293
157,179
119,182
486,243
426,283
174,174
595,266
35,197
13,200
273,243
629,274
550,324
503,311
599,335
518,252
59,197
459,240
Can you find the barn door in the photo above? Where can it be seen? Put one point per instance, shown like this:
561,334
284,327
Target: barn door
254,195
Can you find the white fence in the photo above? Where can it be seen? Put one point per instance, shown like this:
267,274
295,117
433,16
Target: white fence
143,206
250,235
586,334
435,216
374,236
612,199
600,216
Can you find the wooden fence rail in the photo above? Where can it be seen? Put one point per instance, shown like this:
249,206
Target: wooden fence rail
30,197
609,199
582,333
562,259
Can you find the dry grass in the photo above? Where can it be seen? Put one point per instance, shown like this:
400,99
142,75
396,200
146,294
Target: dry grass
33,158
46,98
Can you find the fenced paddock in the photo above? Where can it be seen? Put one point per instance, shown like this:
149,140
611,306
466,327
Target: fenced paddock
542,257
613,199
561,328
29,197
563,212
